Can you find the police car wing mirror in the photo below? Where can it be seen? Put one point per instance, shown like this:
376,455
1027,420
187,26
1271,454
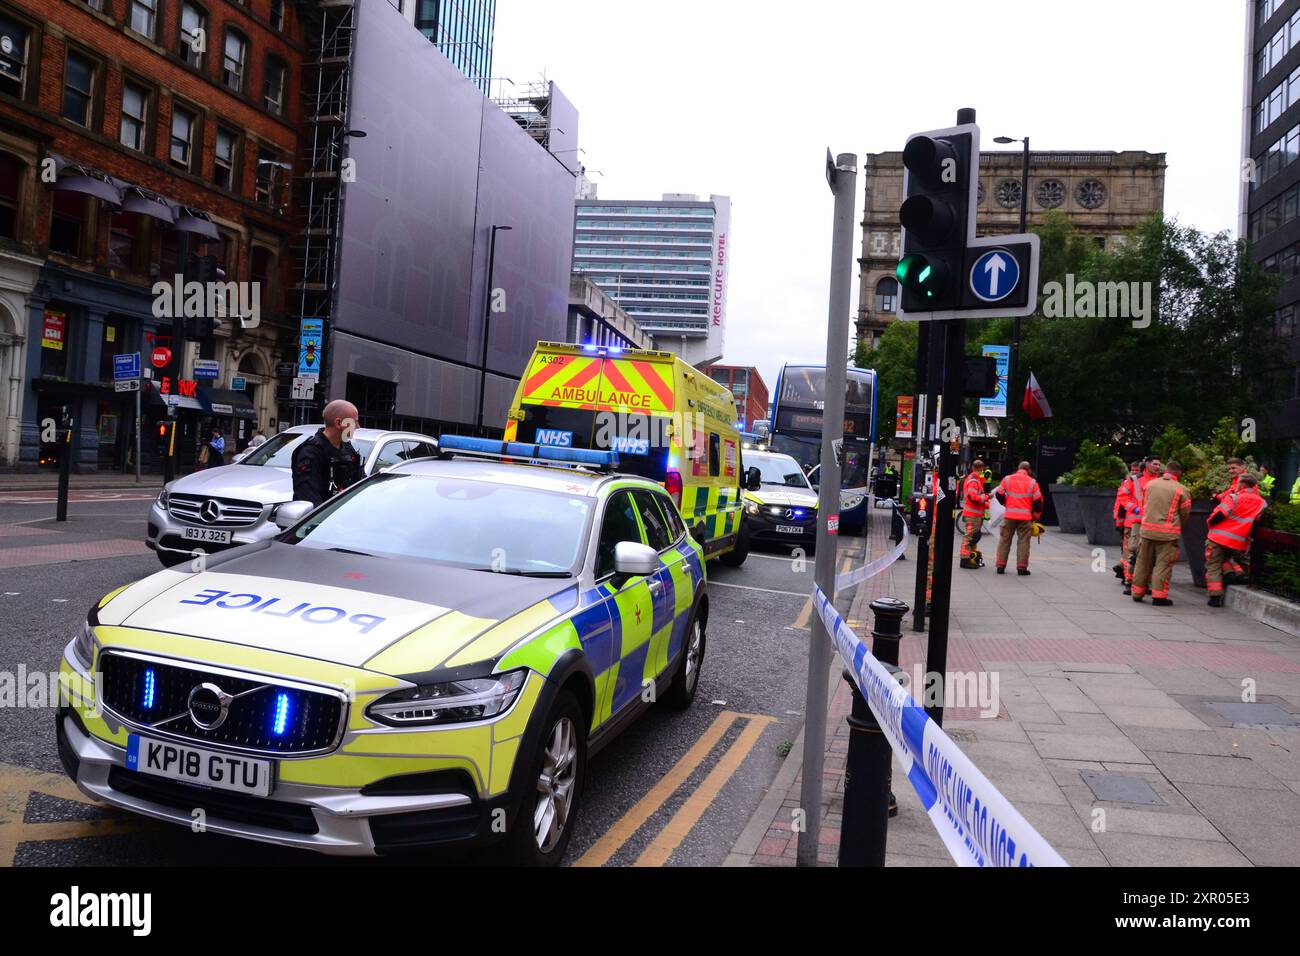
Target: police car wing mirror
291,512
632,559
753,479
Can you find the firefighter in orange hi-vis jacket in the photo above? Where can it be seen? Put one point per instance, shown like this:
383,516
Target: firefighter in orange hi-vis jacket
1229,530
974,504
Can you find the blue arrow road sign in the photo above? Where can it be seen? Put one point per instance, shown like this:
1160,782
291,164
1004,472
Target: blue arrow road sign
126,366
995,275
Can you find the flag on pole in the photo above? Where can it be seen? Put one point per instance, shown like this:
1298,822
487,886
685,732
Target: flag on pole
1036,403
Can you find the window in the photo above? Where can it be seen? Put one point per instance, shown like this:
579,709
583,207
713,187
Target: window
194,29
183,132
393,453
126,241
656,528
224,165
278,19
111,343
135,115
11,181
232,65
273,85
887,294
675,526
144,17
715,444
619,525
78,89
68,222
426,17
55,341
271,173
13,56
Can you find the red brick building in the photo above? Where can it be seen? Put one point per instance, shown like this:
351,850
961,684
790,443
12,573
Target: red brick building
748,389
133,133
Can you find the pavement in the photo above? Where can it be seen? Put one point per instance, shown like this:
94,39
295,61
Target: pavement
49,481
1126,734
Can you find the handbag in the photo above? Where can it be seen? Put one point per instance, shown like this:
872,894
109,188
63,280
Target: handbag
203,455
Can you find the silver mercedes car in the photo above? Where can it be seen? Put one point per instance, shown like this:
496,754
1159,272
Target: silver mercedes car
230,505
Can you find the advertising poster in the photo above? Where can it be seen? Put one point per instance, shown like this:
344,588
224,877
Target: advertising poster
903,420
996,407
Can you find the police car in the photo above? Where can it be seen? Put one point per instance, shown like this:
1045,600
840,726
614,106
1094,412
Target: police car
425,661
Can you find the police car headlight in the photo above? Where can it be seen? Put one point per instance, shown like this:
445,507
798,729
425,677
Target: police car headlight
84,646
450,703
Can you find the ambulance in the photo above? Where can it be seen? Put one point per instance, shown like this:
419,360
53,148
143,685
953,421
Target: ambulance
667,421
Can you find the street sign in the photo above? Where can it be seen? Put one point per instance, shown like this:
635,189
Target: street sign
994,275
284,370
238,384
304,389
207,368
126,385
161,357
311,347
126,366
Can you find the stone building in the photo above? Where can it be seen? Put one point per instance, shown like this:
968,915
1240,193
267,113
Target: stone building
1103,193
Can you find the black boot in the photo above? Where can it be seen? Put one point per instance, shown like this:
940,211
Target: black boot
1128,589
1216,600
1023,572
1162,602
1119,570
1001,569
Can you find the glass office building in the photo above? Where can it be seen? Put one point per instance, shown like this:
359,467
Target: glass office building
462,30
665,262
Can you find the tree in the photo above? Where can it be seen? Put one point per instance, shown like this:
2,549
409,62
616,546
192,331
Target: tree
894,360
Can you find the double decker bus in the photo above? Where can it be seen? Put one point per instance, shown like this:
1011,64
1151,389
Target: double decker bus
796,430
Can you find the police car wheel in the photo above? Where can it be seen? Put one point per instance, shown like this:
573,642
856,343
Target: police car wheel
686,681
541,833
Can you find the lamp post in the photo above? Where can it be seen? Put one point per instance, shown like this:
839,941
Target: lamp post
1013,369
487,318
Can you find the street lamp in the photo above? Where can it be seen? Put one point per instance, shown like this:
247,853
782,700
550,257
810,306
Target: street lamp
1013,369
487,318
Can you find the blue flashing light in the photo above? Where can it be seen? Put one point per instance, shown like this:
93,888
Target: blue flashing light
516,449
281,714
799,512
615,350
591,347
150,687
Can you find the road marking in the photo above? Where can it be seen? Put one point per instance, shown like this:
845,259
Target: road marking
750,587
626,826
17,784
675,830
805,613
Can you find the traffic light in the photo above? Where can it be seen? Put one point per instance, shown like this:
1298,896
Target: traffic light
940,186
204,269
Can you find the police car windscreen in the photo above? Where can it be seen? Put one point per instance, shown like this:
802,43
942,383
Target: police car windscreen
277,452
481,525
777,470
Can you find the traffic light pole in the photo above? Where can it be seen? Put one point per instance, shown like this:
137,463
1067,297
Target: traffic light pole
843,177
922,424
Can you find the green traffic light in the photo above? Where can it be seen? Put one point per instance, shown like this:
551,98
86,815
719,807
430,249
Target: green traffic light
915,272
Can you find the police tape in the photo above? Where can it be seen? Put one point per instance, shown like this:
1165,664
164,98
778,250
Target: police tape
869,570
977,824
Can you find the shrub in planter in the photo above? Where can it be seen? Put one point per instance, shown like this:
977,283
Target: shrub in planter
1096,476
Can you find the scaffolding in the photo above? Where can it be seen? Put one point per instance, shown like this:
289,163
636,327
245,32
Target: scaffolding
325,90
531,109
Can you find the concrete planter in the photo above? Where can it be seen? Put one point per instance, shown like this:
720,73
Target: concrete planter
1097,507
1194,538
1067,508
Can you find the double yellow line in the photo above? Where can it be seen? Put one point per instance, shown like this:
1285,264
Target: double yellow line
675,830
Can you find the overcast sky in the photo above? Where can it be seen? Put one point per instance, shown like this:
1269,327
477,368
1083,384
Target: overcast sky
743,98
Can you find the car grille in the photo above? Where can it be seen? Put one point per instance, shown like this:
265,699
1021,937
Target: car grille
229,512
148,692
235,807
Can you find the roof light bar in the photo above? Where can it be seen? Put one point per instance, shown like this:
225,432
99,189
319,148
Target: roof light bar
492,448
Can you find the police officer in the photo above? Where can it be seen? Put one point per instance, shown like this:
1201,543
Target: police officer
326,463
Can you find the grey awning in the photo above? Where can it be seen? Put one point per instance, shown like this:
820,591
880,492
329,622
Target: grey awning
147,203
78,178
197,222
226,401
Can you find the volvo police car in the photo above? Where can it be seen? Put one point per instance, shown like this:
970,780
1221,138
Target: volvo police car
230,505
425,661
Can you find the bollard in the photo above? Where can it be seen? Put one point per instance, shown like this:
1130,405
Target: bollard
868,765
65,467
